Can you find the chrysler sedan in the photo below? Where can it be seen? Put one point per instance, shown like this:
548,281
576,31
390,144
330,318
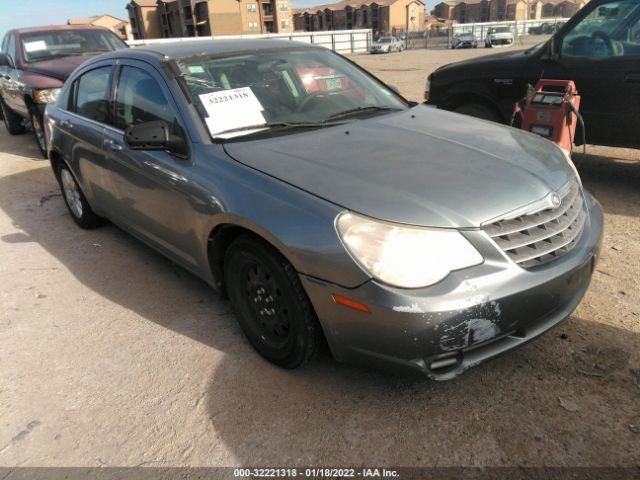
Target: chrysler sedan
326,206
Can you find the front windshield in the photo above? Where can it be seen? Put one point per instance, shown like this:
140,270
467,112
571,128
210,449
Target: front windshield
500,30
292,86
41,46
384,40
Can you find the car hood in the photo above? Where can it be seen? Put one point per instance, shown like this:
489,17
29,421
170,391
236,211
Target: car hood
504,61
59,68
422,166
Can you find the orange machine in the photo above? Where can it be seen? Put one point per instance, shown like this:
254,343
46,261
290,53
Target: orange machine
549,111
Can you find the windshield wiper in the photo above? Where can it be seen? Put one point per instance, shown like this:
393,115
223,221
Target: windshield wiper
359,110
275,125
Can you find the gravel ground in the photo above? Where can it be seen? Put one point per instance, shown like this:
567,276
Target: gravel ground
112,356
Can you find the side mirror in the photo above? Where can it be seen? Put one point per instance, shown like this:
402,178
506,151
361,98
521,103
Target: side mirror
156,135
5,60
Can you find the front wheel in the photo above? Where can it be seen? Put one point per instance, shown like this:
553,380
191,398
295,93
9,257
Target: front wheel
75,200
270,304
477,110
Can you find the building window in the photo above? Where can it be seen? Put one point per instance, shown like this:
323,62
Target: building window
284,24
284,6
252,7
253,25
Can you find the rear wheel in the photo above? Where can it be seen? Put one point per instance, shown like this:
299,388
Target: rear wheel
270,304
12,120
477,110
75,200
37,126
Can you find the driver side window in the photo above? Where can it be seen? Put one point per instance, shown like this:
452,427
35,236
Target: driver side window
610,30
140,99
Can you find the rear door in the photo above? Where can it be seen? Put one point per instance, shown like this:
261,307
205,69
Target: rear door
601,53
83,124
153,188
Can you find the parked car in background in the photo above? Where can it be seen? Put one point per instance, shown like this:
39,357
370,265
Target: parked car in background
406,236
34,63
498,36
546,28
599,49
465,40
387,45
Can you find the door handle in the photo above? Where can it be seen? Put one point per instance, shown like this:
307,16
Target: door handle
116,147
66,124
632,77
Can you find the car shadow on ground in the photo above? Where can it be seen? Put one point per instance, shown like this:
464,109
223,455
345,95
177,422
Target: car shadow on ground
23,144
561,400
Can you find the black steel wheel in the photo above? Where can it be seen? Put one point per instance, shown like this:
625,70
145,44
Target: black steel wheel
270,304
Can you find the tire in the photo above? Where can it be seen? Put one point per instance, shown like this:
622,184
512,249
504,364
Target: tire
75,200
12,121
37,125
477,110
270,304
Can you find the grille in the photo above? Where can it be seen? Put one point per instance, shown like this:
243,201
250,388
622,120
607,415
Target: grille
535,239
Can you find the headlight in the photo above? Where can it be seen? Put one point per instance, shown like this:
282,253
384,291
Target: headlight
427,89
47,96
405,256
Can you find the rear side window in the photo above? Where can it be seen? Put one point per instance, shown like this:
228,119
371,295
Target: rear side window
140,99
91,94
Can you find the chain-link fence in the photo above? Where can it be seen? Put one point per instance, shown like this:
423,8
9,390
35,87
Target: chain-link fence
443,37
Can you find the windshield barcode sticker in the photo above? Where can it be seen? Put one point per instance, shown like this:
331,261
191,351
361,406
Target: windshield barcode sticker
35,46
229,109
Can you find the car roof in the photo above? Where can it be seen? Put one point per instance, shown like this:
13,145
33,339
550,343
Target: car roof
48,28
191,48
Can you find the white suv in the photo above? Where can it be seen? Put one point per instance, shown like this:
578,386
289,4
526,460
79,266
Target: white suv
498,36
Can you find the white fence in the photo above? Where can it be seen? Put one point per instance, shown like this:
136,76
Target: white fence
343,41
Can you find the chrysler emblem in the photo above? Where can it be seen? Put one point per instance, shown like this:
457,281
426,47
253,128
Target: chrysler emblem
555,200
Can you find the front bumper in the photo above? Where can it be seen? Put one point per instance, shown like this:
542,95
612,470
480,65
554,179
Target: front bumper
501,41
471,316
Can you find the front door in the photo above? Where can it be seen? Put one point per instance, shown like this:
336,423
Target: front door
152,187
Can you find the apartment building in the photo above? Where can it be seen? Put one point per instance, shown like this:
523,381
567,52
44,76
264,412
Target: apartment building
144,18
188,18
469,11
120,27
382,16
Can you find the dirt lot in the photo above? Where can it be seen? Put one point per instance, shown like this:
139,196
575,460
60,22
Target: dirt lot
112,356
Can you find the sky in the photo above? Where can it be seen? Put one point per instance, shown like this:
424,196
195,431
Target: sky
27,13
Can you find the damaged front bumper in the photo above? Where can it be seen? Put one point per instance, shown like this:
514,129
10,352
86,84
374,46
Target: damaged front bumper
471,316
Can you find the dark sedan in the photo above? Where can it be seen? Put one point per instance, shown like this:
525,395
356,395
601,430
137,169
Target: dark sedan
325,205
34,63
599,49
